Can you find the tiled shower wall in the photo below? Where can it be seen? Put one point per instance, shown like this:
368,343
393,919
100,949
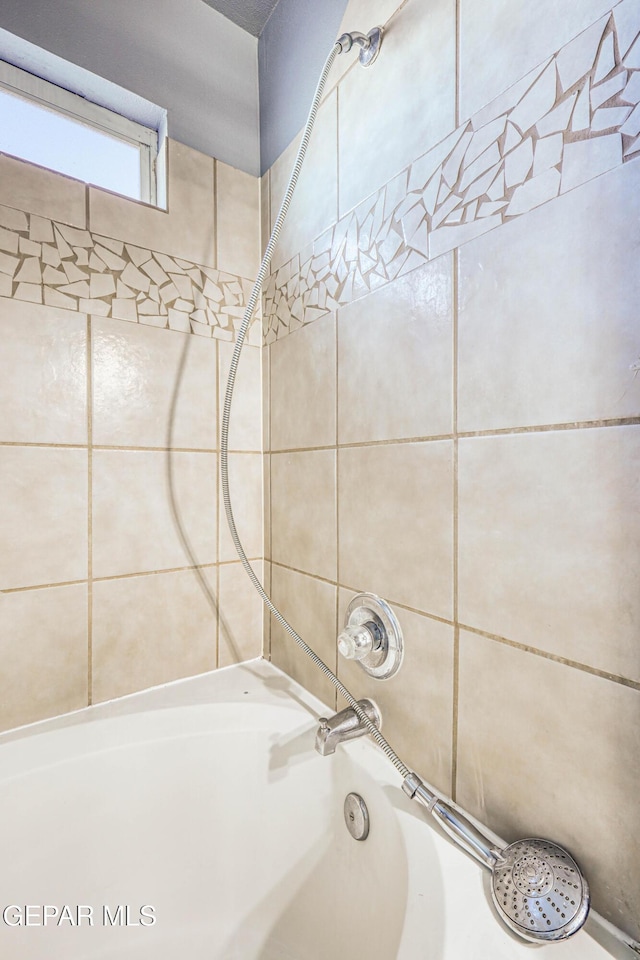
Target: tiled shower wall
116,329
453,407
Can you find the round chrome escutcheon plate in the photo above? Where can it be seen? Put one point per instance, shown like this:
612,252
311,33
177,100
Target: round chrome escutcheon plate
369,55
366,608
356,816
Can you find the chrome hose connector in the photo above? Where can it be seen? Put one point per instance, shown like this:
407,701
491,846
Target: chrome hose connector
369,44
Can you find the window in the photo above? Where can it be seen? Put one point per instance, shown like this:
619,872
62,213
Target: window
50,126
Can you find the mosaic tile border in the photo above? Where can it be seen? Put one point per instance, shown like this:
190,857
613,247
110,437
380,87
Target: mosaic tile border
574,117
43,261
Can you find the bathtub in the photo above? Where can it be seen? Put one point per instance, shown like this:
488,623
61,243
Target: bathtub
197,821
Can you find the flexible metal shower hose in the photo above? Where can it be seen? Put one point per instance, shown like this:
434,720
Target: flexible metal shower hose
224,437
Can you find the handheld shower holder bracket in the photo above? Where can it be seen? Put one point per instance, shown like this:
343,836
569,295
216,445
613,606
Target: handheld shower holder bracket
369,44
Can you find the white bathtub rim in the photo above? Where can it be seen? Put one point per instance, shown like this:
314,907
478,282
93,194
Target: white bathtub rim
226,686
212,686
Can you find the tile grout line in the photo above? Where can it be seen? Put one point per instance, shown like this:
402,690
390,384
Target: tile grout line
263,471
207,450
499,432
89,515
124,449
267,347
122,576
554,658
216,626
542,654
456,544
216,252
57,446
352,589
263,494
337,151
336,631
270,202
456,704
42,586
457,69
269,620
266,420
550,427
337,500
154,573
355,446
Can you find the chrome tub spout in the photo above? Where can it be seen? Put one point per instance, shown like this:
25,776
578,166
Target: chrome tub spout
345,725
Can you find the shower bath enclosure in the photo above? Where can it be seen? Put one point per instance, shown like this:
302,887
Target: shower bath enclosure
456,308
538,889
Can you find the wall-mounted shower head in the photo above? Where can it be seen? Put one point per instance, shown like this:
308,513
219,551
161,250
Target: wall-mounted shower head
369,44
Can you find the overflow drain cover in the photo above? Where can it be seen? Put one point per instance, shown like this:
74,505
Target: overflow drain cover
356,816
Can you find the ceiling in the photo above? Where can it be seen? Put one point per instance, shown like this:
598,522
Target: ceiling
251,15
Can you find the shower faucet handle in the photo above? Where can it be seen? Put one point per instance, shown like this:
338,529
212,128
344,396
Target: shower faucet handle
359,641
372,636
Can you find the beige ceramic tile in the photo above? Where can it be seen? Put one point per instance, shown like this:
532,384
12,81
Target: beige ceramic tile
38,190
150,630
303,511
548,751
265,212
137,525
396,523
151,386
245,425
548,322
314,206
585,159
43,374
245,486
237,221
266,398
240,616
43,634
395,359
303,389
403,105
417,703
266,462
266,473
549,531
520,36
185,230
43,515
266,613
309,605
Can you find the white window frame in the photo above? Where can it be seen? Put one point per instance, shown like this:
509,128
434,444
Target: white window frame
52,97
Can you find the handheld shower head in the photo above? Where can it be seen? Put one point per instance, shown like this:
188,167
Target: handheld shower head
537,888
